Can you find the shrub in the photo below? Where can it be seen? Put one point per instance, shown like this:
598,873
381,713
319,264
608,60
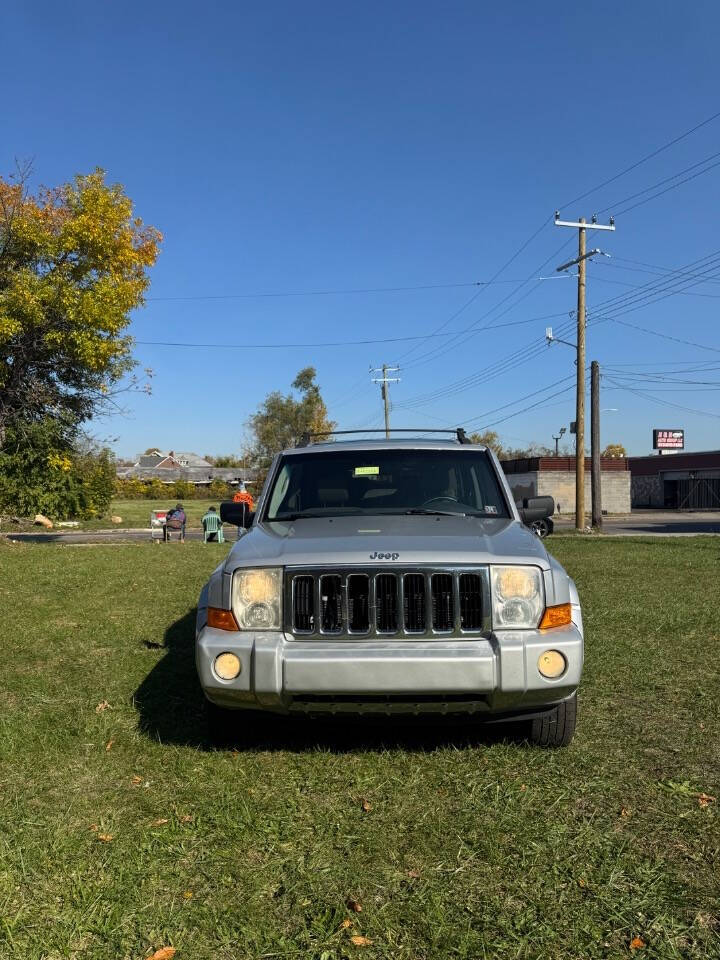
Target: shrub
41,472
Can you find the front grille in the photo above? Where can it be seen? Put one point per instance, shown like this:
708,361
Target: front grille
358,603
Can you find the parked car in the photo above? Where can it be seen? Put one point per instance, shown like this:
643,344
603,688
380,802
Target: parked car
542,527
391,577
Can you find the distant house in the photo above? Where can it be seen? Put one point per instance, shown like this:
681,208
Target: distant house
171,466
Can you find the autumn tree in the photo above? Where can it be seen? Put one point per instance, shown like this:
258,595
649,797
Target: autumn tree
74,264
282,419
488,438
614,450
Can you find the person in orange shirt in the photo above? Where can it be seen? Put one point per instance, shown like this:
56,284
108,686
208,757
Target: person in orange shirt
242,495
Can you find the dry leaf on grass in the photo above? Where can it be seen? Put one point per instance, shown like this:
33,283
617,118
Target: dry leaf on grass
108,746
103,705
93,827
353,905
186,818
105,837
161,822
366,805
625,811
188,895
414,874
637,943
345,924
704,799
361,941
164,953
136,780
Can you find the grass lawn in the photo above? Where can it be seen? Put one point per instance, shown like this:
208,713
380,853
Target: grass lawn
121,832
134,513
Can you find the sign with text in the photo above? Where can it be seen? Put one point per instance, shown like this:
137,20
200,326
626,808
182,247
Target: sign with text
668,439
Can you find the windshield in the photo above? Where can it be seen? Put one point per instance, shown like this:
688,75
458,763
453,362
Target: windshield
386,482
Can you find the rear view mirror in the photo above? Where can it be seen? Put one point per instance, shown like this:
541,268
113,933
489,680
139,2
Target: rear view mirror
536,508
239,514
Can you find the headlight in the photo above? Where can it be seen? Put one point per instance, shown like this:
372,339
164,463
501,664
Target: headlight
518,597
257,598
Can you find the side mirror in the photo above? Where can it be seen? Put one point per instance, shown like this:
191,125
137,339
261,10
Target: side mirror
239,514
536,508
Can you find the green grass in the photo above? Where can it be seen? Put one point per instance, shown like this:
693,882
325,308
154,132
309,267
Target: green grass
472,847
134,513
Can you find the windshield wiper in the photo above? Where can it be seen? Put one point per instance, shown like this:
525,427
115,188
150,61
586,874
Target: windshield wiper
308,515
435,513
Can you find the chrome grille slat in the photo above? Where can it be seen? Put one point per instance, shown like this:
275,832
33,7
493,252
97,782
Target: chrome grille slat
413,602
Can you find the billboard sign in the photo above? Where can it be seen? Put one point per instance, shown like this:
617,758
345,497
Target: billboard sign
668,439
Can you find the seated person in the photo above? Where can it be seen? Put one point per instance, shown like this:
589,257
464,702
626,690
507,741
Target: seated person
175,520
212,517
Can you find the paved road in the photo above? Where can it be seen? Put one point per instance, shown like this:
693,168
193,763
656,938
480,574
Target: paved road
655,523
659,523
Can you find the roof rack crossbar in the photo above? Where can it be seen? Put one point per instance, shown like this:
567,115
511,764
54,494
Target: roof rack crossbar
459,432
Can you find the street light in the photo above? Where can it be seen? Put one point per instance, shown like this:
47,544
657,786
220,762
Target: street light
557,440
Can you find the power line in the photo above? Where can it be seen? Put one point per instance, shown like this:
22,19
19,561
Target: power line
327,343
341,292
665,403
649,156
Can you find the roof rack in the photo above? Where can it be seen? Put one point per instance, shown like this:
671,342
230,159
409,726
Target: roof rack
306,438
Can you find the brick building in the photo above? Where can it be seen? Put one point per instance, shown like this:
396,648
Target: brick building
555,476
677,481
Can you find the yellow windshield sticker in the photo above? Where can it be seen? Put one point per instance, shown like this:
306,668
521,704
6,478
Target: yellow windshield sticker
366,471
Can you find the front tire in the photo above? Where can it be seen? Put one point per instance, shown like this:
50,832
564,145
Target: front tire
555,728
541,528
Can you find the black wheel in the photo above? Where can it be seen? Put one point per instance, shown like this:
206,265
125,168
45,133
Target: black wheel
555,728
540,527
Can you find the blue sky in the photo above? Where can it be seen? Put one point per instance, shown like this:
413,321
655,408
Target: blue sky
285,148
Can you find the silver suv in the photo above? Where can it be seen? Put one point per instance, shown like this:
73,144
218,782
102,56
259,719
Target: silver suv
391,577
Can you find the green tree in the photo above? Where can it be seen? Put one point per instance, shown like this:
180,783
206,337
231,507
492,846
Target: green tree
41,472
282,419
73,267
225,460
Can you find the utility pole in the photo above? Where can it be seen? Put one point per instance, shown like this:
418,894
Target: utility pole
581,225
384,390
595,475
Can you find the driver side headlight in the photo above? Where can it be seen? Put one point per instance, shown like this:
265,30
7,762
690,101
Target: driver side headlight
518,597
257,598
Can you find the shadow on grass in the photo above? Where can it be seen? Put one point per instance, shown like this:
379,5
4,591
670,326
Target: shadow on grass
172,710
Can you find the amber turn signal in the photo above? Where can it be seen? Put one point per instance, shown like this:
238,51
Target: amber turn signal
559,616
221,619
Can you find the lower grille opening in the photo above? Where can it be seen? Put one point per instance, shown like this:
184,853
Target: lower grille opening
386,603
358,587
303,604
414,602
331,604
470,601
443,601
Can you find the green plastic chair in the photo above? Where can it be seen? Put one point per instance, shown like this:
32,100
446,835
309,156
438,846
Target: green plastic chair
212,524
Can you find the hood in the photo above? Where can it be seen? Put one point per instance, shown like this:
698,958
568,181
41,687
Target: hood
346,541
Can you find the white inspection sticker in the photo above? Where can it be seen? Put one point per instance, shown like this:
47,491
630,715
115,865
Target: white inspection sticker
366,471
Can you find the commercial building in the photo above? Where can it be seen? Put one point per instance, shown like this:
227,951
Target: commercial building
555,477
677,481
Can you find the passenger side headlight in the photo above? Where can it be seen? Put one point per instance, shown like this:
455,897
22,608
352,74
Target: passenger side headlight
518,597
257,598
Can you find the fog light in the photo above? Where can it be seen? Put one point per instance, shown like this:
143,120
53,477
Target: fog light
227,666
552,664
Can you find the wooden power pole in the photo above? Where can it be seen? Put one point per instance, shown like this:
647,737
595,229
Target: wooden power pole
581,259
595,475
385,392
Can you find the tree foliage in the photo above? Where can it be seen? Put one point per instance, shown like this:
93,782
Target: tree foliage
41,471
489,438
281,419
614,450
73,265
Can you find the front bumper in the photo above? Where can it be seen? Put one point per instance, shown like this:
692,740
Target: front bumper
492,675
